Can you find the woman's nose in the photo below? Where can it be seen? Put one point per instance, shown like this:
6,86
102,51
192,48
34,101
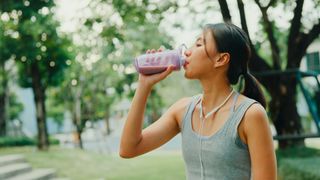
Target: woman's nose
187,53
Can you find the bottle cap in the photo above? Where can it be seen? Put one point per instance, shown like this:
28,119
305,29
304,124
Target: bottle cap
182,48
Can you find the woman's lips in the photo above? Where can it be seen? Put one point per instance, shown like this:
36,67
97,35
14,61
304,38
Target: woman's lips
185,64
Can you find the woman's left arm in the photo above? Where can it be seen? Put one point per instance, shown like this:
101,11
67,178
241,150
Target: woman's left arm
259,139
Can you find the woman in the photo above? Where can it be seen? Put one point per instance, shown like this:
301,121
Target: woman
225,134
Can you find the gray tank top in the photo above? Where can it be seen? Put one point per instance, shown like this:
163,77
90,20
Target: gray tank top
223,155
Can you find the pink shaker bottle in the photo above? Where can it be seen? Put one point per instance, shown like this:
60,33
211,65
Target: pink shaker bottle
158,62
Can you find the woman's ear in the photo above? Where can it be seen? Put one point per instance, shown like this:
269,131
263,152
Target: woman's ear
223,59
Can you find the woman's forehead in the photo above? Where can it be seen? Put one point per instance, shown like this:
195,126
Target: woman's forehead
207,34
203,35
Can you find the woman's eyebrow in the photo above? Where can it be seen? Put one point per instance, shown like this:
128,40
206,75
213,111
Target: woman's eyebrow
199,39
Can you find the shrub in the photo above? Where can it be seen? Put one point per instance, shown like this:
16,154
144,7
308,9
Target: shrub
22,141
300,169
16,141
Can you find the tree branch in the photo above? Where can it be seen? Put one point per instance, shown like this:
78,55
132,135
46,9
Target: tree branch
312,35
259,5
225,10
255,56
296,24
302,43
256,63
243,18
272,40
298,43
271,2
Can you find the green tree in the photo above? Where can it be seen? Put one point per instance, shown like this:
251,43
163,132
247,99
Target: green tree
40,53
7,42
141,32
9,105
103,72
284,55
128,29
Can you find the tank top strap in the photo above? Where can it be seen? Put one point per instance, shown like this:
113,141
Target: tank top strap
241,110
229,124
237,118
188,113
233,107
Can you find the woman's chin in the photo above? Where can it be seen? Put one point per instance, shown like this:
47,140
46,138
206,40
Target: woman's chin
187,75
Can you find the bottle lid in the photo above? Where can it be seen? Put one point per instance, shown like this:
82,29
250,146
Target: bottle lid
182,48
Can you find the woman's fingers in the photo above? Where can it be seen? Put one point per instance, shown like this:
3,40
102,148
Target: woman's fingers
151,80
166,72
154,51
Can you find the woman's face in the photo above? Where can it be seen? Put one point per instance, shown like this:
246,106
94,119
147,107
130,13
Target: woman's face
199,63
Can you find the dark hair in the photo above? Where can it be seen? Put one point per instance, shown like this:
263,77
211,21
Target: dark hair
231,39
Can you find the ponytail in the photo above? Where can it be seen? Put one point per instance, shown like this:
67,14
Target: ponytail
252,89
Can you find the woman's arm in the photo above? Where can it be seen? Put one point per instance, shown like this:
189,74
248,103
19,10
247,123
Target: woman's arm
134,141
260,143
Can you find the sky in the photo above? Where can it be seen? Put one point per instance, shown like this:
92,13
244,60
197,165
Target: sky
68,10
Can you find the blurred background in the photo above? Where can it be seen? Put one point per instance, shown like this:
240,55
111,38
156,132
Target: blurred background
67,79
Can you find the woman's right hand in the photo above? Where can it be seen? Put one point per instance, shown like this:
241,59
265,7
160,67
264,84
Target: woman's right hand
150,80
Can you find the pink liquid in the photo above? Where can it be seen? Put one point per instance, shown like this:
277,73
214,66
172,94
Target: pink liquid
147,70
158,62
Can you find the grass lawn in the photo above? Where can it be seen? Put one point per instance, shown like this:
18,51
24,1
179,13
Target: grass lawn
86,165
299,163
78,165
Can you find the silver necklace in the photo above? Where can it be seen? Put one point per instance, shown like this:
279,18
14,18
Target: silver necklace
214,109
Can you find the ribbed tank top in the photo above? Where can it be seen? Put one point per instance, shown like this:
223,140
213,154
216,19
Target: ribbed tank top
223,155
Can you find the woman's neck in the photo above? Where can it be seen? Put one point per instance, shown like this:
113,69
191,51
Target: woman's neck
215,91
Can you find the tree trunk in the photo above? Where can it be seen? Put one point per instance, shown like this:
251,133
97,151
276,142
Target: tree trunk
3,99
284,112
77,118
225,11
39,98
78,136
107,120
3,113
78,132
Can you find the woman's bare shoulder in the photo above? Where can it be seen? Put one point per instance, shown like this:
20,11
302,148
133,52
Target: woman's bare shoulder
255,117
180,107
183,102
255,110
